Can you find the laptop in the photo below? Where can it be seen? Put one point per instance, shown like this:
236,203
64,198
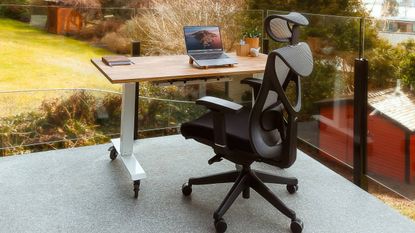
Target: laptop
204,46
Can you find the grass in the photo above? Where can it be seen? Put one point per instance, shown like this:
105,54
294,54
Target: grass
32,58
404,206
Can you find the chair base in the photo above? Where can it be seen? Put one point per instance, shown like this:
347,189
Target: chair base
244,180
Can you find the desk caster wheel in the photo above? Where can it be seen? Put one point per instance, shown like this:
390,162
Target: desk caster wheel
113,153
136,188
186,189
220,225
296,226
292,188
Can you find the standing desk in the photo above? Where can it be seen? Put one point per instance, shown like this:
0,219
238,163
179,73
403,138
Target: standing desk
158,68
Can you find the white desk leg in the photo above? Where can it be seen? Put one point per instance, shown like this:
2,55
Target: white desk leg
125,144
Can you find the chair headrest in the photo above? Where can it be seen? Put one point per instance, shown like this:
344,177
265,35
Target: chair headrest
297,57
295,18
283,28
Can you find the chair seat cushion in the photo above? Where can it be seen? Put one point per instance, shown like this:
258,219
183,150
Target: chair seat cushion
237,129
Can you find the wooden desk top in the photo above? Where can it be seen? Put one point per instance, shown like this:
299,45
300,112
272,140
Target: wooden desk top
159,68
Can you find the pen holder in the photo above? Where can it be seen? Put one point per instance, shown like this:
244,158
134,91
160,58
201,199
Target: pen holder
242,50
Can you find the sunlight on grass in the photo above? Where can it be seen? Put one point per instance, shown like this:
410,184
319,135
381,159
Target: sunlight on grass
34,59
405,207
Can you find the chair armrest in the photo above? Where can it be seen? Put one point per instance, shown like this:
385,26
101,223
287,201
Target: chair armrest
254,83
219,105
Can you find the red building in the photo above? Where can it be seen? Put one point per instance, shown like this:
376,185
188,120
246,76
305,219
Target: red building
391,133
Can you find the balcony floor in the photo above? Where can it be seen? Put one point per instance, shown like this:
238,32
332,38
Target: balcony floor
81,190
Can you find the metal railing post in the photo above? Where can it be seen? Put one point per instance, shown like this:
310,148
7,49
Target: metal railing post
360,108
360,122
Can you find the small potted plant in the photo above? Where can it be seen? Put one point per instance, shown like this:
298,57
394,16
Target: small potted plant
251,37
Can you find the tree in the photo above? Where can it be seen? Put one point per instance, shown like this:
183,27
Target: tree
407,62
330,7
390,8
408,69
383,65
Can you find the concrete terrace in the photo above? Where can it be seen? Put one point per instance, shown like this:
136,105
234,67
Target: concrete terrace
81,190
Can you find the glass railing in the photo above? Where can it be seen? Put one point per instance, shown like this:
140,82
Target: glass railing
53,97
47,77
325,129
60,118
391,103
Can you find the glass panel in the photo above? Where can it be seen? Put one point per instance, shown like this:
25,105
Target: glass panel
326,117
47,74
391,118
56,119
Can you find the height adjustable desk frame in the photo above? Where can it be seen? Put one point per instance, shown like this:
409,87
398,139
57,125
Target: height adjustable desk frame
160,68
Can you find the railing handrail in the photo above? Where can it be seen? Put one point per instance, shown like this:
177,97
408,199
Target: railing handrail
105,8
144,8
59,89
323,15
92,89
76,7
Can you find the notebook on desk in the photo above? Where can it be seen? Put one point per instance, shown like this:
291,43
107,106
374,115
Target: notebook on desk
204,46
116,60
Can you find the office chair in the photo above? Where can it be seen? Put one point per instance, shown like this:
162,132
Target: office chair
266,133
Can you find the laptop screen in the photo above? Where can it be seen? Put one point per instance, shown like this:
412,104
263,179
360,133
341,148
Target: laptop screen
202,39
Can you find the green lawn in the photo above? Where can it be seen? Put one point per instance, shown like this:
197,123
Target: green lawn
32,58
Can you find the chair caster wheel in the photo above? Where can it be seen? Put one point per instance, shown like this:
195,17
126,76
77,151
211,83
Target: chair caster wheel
292,188
220,225
136,188
186,189
296,226
113,153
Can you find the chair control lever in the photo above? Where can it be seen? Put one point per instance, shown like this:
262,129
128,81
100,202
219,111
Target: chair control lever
214,159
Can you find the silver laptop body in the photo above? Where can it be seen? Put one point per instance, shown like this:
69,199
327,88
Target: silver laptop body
204,46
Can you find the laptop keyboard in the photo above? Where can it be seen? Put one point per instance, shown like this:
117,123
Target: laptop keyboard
208,56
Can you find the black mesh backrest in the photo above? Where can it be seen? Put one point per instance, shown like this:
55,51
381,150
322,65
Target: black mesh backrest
284,28
273,120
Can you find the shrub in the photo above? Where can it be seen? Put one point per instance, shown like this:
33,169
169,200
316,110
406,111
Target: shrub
84,119
116,42
407,63
112,105
20,13
100,29
80,106
71,121
88,32
161,30
83,3
106,26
